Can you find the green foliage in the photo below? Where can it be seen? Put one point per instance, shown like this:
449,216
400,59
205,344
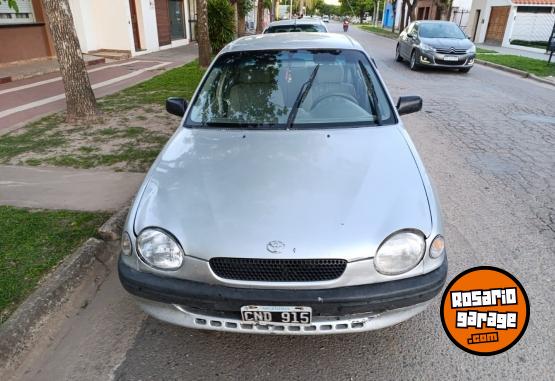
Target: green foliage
221,24
245,5
327,9
32,242
12,4
530,65
357,7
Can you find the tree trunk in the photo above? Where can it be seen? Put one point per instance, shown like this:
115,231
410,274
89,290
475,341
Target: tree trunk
80,99
260,17
203,38
241,18
402,20
394,10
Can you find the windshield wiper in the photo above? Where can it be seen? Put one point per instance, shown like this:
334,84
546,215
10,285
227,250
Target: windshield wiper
371,92
300,98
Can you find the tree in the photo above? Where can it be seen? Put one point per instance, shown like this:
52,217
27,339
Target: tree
80,99
203,38
221,23
357,7
260,17
394,10
243,7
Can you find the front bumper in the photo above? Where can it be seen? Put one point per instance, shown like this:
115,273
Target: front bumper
355,308
426,58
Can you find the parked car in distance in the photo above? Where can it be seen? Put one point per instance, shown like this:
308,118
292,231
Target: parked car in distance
290,200
435,44
326,18
296,25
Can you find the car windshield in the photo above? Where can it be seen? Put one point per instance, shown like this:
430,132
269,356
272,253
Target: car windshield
291,89
440,30
295,28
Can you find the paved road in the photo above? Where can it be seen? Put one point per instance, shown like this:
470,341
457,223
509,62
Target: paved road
487,140
27,99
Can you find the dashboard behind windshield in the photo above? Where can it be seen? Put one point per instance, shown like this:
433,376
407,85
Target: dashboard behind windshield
258,89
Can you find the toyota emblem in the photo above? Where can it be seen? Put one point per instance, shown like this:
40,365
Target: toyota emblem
275,247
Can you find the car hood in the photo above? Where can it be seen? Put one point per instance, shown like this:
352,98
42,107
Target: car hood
448,42
321,193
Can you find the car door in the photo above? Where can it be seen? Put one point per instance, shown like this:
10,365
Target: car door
404,41
414,40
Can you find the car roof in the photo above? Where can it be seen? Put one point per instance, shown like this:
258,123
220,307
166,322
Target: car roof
293,40
434,22
303,21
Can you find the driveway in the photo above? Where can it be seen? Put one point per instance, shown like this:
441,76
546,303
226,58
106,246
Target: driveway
487,140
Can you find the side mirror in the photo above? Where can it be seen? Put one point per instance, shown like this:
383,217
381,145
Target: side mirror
409,104
411,35
176,106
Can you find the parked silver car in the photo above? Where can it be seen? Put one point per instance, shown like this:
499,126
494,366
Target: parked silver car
290,200
435,44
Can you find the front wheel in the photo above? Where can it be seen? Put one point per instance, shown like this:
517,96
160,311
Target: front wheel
465,69
398,57
413,65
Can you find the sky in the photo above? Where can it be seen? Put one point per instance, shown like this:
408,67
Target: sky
332,2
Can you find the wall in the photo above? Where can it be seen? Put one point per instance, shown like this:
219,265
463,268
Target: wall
462,16
485,7
103,24
146,15
26,41
533,26
20,43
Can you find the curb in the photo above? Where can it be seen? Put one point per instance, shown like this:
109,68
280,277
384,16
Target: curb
17,333
522,73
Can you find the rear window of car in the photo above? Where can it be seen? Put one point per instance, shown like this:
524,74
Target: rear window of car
260,89
295,28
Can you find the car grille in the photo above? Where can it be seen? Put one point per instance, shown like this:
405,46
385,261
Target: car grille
278,270
453,63
450,51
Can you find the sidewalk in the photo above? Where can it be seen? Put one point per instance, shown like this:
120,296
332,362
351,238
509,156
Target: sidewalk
28,99
66,188
524,52
32,68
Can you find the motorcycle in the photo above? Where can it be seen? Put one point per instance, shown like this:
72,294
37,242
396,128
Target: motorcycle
345,26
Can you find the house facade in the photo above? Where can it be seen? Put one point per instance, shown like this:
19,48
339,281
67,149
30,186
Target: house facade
129,26
24,35
133,26
498,22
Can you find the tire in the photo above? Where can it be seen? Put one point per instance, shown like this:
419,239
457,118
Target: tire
412,64
398,57
465,69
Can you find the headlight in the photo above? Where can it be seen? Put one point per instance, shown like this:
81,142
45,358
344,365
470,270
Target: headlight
159,249
472,49
125,244
437,248
400,252
424,46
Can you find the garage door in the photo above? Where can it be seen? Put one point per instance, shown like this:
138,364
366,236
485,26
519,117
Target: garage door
496,25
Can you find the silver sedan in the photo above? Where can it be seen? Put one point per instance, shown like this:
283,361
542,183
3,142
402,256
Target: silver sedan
290,200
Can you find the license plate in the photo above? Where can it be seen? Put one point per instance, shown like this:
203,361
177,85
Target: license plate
276,314
450,58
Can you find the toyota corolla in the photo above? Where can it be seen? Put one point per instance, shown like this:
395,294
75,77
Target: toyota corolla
290,200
